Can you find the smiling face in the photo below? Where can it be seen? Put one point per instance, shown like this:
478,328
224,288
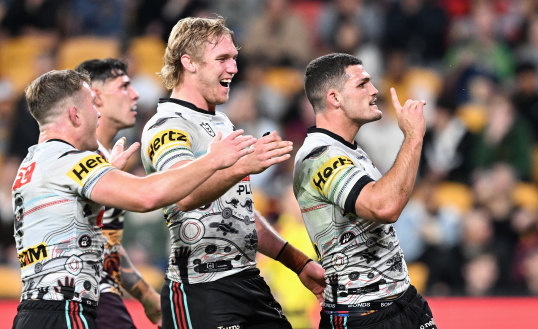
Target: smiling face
359,96
215,71
117,102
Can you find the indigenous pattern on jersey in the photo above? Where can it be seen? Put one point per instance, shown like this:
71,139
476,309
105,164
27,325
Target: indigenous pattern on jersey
218,239
113,232
362,259
57,231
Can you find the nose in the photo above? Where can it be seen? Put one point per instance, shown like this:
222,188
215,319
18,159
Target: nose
232,66
134,94
373,89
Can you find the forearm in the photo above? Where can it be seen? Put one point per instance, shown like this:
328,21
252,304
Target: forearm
271,244
131,280
393,190
212,188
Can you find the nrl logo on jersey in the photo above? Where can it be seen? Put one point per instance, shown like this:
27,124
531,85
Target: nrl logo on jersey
208,128
323,175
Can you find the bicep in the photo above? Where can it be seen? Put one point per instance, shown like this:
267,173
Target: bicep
117,189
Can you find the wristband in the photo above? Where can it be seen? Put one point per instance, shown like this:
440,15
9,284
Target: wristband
302,268
292,258
281,250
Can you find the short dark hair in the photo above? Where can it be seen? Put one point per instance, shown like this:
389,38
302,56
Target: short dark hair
325,72
48,90
103,69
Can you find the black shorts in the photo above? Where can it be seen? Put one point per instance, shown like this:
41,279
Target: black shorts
112,313
51,314
410,311
240,301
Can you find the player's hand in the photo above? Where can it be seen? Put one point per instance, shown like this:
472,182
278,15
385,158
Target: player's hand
268,150
313,277
410,116
119,156
225,152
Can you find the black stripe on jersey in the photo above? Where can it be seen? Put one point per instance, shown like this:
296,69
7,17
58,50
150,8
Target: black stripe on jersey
354,194
316,152
332,135
160,122
185,104
70,152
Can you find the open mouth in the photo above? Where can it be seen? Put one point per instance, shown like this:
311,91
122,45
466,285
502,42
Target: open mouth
225,82
374,101
133,109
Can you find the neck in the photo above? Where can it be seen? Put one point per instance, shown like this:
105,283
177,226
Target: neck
346,129
192,95
47,134
105,135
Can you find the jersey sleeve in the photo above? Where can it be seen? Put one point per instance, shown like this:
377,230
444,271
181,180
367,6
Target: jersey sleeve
335,177
86,168
166,143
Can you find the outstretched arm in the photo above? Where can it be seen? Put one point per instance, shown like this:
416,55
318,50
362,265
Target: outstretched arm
271,244
119,189
134,283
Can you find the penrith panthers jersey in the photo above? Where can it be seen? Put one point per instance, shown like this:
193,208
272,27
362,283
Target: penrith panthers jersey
362,259
218,239
57,233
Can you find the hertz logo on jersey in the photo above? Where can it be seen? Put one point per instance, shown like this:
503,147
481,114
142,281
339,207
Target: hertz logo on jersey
80,172
167,139
323,175
33,254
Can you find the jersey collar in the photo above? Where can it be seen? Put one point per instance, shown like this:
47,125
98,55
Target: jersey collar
315,129
186,104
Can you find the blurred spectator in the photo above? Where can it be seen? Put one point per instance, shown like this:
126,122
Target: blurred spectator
505,138
34,16
475,44
480,275
531,272
366,16
157,17
528,51
447,145
525,96
279,36
417,27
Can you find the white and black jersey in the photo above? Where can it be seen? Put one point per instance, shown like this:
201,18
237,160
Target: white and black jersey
57,226
218,239
362,259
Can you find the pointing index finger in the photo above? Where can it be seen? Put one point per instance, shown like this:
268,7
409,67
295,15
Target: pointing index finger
395,100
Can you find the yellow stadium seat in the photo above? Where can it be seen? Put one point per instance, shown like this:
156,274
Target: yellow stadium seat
526,195
473,116
147,53
75,50
454,194
18,58
418,273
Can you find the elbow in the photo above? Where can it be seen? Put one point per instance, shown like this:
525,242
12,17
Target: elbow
387,214
147,203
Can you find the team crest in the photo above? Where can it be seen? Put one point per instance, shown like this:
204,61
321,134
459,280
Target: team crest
208,128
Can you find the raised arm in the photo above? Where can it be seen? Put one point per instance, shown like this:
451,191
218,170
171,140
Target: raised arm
122,190
385,199
267,151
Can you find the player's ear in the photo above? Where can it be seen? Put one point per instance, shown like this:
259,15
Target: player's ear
97,100
74,116
333,98
187,63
